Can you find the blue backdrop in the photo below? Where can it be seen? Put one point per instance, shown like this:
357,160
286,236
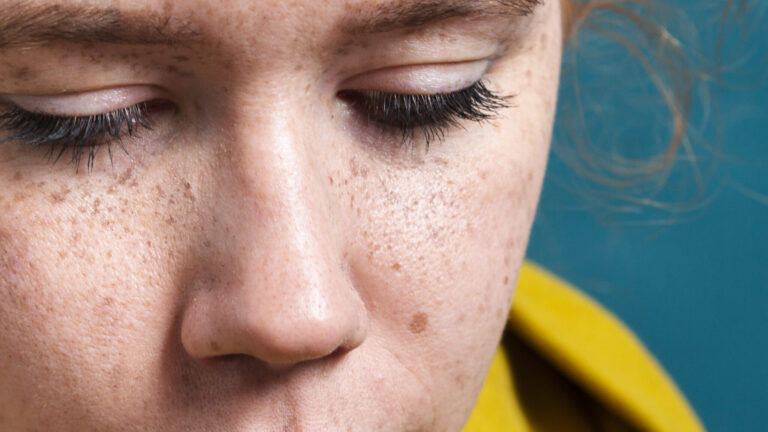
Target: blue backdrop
691,280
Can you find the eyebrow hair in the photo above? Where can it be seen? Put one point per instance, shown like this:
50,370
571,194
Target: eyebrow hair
413,14
24,25
34,25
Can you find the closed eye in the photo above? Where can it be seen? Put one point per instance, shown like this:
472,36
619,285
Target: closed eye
429,115
80,136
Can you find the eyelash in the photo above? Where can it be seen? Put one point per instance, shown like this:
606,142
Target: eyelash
82,136
432,115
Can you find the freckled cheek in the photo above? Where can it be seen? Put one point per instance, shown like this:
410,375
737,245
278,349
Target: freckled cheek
447,250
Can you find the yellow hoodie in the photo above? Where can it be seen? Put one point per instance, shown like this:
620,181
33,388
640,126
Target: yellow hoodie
568,365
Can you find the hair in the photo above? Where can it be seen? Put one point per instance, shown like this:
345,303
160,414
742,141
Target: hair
658,42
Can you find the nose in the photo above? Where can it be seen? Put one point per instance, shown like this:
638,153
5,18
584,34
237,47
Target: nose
278,290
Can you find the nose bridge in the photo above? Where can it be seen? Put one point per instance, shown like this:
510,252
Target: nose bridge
289,300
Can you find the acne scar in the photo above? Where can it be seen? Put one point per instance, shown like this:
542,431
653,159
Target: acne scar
418,323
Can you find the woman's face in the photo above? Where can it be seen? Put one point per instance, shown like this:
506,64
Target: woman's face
275,253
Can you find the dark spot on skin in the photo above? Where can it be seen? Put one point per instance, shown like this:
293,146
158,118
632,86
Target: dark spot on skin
506,280
215,347
22,72
125,176
330,180
357,169
17,176
418,323
60,196
207,244
396,266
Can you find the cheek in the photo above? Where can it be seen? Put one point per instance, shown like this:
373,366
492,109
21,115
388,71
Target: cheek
436,250
85,291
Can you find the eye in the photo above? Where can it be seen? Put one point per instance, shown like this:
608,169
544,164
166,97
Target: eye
80,136
430,116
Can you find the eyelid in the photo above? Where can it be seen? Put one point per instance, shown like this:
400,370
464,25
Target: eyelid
84,104
421,79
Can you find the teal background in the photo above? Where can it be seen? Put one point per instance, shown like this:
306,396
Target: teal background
690,279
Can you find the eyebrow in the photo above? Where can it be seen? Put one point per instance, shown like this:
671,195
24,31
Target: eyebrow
406,15
35,25
32,25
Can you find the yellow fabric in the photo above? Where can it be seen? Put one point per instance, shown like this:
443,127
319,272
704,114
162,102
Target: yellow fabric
573,366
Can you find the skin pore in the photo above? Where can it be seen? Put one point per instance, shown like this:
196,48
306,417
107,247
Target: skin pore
265,257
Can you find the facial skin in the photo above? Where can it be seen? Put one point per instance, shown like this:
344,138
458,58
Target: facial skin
263,258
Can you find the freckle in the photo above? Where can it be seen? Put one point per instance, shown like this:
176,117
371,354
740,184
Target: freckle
170,220
207,244
19,196
60,196
330,180
396,266
17,176
215,347
418,323
125,176
21,73
506,280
